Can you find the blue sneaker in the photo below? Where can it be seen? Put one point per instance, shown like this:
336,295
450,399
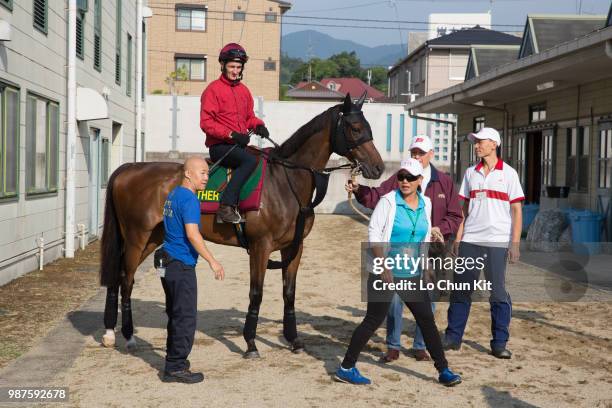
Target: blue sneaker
448,378
352,376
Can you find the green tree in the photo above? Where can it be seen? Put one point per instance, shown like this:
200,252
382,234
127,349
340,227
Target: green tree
349,65
319,69
379,78
288,66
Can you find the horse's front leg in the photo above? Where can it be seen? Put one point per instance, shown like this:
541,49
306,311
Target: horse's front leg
258,260
289,280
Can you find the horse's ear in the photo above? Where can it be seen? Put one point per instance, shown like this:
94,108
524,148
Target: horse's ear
347,103
362,100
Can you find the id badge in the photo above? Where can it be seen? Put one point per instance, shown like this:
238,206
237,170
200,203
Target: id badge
161,272
481,195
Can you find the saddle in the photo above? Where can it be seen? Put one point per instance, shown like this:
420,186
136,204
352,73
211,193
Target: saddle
250,193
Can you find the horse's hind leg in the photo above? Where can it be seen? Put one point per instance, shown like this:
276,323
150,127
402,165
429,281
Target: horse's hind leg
110,316
258,263
132,258
289,278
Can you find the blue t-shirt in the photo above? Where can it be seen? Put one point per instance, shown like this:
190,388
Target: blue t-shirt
181,207
409,230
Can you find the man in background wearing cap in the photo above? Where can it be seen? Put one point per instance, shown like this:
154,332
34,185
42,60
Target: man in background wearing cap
446,217
492,195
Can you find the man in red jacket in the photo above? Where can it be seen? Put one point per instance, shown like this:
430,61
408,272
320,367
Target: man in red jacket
226,116
446,216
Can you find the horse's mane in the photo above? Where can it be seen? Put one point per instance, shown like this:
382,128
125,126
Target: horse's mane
297,140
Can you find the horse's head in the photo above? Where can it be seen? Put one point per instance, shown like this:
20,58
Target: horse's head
353,139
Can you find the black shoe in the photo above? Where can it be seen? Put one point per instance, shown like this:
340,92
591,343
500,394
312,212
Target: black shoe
449,345
228,214
503,353
183,376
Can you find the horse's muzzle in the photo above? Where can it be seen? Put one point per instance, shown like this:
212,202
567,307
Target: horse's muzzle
372,171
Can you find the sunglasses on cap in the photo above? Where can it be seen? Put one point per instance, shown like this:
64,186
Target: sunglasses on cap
405,176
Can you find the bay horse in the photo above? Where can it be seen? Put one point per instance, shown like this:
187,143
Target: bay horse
136,192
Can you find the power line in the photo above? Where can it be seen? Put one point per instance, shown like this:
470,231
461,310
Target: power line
368,20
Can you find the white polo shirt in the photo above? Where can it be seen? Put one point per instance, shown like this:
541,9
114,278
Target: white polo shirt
489,218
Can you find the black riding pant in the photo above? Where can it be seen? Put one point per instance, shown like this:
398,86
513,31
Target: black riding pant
243,164
181,289
378,307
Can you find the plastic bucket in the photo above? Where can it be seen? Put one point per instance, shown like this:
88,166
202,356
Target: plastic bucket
529,213
586,229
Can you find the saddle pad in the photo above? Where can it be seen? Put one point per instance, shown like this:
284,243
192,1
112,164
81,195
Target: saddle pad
250,193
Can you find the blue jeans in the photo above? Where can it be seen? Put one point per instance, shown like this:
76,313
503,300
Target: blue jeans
394,326
500,302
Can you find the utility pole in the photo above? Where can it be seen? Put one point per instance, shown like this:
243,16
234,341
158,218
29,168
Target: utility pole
369,76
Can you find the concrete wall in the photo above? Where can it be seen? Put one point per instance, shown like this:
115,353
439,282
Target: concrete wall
260,39
35,62
282,119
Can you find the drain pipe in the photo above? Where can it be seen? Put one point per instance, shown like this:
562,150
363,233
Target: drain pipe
71,132
139,62
41,252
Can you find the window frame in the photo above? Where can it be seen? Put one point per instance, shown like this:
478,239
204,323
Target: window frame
128,68
538,107
239,12
547,157
97,35
604,156
51,180
4,195
190,8
118,40
44,28
192,58
578,158
268,15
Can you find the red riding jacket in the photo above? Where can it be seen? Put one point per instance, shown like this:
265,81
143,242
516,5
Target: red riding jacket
225,108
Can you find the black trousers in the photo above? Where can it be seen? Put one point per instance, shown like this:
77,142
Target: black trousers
378,307
243,164
181,289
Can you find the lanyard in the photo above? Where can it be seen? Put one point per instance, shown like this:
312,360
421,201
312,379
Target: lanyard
414,222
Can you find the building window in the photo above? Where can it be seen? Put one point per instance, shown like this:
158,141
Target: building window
128,71
437,132
537,113
270,65
7,3
191,19
40,15
457,64
271,17
80,43
9,141
118,44
478,123
445,149
436,149
104,160
42,145
195,67
578,158
98,35
605,158
239,16
437,157
521,153
445,158
548,144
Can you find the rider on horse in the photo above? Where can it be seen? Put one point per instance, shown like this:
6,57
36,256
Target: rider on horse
227,118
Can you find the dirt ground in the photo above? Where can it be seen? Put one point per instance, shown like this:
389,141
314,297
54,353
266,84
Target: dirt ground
561,350
33,303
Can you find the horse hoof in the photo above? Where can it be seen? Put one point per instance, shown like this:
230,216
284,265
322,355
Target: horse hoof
297,346
131,344
253,354
108,340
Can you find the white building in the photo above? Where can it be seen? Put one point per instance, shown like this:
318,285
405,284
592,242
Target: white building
52,104
445,23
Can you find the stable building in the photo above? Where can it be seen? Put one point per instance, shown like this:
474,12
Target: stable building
552,104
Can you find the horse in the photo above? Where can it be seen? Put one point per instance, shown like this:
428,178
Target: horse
136,192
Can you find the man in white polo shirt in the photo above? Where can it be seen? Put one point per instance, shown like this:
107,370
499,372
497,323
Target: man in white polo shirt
492,196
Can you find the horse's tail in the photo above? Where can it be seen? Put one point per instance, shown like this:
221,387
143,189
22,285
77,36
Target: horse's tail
111,253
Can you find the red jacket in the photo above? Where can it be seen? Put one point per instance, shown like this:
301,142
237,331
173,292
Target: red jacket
226,108
446,212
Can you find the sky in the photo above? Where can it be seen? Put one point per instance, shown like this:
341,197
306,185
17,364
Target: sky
506,12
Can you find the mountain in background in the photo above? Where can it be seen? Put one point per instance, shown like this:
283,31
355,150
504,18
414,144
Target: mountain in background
296,45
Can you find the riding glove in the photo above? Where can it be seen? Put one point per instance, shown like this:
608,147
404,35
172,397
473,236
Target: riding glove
262,131
241,139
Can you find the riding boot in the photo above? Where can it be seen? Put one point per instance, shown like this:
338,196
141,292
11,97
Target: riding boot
229,214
